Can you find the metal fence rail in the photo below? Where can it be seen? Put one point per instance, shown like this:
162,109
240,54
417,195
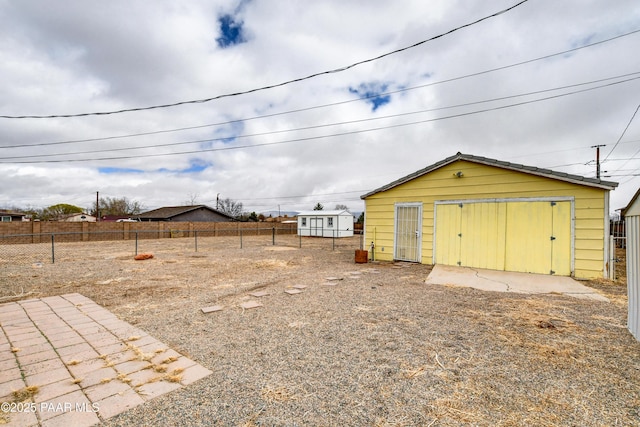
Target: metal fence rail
61,247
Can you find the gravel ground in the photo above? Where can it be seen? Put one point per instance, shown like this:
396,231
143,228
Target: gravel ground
376,348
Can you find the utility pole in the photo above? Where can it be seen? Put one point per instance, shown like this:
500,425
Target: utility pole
597,147
97,206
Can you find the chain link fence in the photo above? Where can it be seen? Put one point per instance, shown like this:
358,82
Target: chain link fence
47,248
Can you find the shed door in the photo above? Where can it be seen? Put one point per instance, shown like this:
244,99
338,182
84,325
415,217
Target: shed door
316,226
528,236
407,232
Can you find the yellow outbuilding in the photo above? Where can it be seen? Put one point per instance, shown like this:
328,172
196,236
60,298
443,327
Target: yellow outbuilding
477,212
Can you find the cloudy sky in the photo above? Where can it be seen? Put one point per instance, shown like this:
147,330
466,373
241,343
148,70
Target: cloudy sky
293,108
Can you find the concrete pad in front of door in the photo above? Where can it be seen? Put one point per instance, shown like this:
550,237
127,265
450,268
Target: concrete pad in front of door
507,281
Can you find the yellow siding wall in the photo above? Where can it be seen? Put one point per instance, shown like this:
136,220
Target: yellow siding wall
487,182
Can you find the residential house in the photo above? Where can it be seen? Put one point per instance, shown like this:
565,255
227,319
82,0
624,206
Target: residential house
197,213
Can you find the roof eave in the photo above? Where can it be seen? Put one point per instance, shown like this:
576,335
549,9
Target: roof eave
546,173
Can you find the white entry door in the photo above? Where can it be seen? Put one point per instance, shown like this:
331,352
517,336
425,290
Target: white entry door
408,232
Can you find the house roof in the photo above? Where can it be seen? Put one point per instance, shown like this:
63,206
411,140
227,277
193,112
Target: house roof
533,170
71,215
172,211
11,213
324,213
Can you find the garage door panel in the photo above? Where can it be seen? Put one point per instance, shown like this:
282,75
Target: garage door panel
482,237
561,250
447,239
528,231
525,236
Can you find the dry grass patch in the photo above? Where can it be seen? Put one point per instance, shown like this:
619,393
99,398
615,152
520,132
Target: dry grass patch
453,408
18,396
25,393
412,373
173,378
124,378
271,263
276,394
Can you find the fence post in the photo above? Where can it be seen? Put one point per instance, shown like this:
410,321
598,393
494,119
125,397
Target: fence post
136,243
195,233
240,238
53,249
300,236
334,240
273,236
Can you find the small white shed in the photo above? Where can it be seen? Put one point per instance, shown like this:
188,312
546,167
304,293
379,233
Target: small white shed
337,223
632,223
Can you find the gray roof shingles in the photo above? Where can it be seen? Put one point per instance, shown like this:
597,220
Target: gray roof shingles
172,211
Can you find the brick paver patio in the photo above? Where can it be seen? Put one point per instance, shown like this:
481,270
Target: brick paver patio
65,360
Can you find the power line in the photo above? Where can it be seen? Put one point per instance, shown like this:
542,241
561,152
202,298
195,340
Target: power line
304,195
336,70
323,136
623,132
323,125
617,142
299,110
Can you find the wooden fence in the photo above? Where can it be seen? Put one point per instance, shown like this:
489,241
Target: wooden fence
41,232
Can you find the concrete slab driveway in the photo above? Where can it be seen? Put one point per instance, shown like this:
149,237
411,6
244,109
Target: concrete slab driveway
506,281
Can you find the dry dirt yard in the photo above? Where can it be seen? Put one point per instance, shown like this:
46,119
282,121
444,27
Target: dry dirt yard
378,347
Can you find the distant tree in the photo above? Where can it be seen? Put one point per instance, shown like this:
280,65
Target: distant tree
56,212
118,207
253,217
31,212
192,200
12,209
318,207
230,207
342,207
361,218
261,217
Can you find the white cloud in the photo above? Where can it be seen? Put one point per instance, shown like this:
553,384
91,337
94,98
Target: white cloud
79,56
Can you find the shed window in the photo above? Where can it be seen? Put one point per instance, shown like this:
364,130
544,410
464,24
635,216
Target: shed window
329,222
6,219
304,222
